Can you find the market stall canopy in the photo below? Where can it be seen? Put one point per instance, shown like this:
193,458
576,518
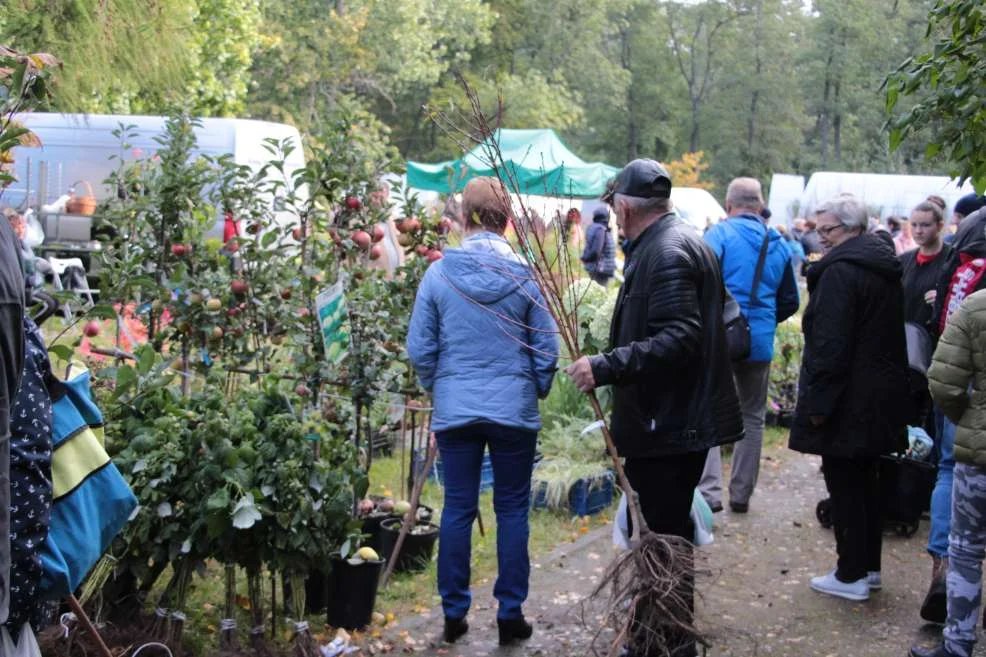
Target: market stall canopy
533,161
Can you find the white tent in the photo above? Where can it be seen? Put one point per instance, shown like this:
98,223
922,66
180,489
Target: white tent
784,202
884,194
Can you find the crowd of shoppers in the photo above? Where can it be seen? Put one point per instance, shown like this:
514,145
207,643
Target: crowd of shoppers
677,396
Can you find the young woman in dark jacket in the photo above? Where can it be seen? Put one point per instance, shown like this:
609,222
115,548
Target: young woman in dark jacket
853,378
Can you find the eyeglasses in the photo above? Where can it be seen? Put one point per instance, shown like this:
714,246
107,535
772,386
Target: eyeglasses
825,231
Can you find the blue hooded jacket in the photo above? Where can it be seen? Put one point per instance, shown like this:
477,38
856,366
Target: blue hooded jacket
481,339
736,242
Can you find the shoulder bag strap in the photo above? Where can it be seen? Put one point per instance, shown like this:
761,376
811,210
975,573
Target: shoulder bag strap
758,273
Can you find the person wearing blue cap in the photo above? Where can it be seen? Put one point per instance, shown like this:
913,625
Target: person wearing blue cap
599,255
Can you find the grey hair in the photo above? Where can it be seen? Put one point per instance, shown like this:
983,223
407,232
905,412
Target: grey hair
745,193
849,210
644,206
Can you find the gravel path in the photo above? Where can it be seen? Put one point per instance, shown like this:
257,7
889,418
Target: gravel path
753,588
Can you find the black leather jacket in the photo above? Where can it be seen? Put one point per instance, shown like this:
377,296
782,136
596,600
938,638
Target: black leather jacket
673,389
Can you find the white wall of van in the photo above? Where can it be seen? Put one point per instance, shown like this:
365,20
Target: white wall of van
78,147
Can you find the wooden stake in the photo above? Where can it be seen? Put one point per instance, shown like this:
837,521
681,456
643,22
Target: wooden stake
80,613
411,517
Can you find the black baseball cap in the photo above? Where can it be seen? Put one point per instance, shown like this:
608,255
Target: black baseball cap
640,178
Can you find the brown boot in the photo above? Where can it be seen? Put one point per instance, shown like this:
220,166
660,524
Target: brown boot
934,607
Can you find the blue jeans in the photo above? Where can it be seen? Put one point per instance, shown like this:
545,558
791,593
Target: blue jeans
941,497
512,457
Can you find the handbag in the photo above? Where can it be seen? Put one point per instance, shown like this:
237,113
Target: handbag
91,499
738,338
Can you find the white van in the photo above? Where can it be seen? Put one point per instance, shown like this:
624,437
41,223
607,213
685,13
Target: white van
76,149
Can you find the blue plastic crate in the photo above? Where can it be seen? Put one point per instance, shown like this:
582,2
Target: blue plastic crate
586,497
437,473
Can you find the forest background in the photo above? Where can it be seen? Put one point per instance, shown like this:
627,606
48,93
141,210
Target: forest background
761,86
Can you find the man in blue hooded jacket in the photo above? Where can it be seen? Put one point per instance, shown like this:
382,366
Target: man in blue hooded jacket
744,245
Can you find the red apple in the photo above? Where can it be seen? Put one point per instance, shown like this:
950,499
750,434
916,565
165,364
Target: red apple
375,252
239,286
361,238
353,203
304,312
233,312
422,249
286,293
411,225
179,250
434,255
217,332
91,329
297,234
378,233
302,390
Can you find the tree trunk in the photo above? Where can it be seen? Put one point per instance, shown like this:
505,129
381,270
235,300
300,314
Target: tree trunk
837,127
693,137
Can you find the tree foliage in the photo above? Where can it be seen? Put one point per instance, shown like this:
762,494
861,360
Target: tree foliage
946,82
758,85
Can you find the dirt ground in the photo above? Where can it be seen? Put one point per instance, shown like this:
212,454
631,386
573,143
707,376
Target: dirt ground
754,596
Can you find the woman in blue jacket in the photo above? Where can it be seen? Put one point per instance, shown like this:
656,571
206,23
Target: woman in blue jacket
483,343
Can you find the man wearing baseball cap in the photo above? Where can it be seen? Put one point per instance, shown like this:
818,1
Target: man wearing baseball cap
668,363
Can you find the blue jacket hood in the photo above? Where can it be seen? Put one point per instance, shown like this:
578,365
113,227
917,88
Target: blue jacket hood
485,268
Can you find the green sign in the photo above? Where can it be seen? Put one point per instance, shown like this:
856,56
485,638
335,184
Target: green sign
332,317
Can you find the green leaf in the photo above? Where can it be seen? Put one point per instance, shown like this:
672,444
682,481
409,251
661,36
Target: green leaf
62,352
102,311
126,378
218,500
145,359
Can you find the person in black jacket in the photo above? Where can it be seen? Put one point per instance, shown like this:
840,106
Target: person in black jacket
673,392
599,255
853,378
923,265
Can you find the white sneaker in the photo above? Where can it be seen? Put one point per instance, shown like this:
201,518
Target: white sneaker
830,585
873,579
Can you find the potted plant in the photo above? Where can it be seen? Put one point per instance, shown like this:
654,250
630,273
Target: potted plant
573,472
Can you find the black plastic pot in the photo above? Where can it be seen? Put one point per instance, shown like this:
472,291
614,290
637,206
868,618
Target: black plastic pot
417,549
371,526
352,593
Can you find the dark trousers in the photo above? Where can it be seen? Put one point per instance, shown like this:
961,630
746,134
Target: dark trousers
512,457
666,486
857,516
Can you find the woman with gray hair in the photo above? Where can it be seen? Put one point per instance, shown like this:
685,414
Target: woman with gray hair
853,378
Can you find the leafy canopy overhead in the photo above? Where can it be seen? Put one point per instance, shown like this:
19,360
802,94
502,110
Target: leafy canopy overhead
946,82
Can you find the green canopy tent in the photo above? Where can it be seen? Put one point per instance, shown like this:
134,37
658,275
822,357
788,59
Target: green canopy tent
533,162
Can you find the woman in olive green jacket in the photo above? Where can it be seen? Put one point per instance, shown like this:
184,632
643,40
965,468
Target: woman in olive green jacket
958,384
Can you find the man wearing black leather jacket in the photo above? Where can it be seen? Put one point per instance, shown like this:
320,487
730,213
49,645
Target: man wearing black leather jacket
668,363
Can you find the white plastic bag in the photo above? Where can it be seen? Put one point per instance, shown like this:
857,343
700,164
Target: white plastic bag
701,517
27,644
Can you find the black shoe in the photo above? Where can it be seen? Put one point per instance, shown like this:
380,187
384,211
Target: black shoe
937,651
454,628
739,507
715,508
934,608
513,629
